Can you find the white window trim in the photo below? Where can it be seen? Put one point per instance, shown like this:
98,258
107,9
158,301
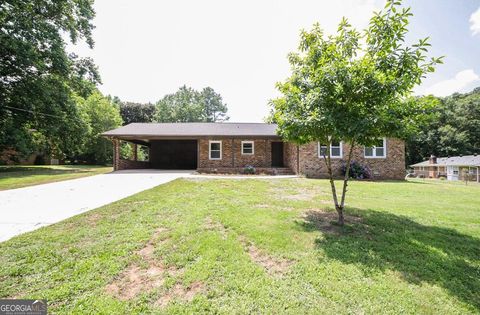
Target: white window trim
210,149
374,151
331,156
253,147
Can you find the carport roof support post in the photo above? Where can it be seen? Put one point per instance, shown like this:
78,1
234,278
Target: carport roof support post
135,151
116,153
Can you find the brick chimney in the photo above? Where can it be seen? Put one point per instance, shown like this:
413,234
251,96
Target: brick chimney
432,160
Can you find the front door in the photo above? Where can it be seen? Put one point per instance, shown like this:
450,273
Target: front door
277,154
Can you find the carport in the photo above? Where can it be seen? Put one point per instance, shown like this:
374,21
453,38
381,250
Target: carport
162,154
166,146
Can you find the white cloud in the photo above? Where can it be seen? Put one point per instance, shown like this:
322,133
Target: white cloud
146,49
475,22
461,80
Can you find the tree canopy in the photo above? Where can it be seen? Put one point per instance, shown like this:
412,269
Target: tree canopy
452,127
189,105
38,78
49,101
136,112
101,114
353,86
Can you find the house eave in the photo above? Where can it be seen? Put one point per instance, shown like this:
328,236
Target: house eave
180,137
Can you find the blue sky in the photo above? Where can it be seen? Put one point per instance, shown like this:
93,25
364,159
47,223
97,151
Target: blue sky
447,23
146,49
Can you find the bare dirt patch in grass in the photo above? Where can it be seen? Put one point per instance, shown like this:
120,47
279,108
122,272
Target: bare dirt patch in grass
136,279
325,221
272,265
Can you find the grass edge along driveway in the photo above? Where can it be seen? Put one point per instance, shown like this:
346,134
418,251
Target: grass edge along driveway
261,246
12,177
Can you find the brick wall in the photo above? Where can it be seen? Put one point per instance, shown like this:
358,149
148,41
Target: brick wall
290,156
303,158
122,164
131,165
390,167
232,156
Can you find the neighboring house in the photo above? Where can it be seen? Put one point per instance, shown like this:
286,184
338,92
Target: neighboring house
230,147
453,168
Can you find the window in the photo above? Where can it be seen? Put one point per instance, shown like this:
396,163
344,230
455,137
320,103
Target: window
336,149
215,150
379,150
247,147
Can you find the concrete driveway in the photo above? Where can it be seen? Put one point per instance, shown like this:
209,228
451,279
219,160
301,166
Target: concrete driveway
27,209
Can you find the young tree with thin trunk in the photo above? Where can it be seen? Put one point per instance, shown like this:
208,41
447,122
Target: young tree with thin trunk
352,86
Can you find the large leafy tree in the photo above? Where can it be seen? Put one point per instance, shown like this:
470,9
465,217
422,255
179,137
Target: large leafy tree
450,128
38,78
213,108
352,87
101,114
137,112
189,105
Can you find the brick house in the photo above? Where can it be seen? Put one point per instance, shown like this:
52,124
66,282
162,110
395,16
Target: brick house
230,147
465,167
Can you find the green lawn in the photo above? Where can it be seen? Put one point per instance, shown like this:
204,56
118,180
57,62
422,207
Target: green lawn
258,246
22,176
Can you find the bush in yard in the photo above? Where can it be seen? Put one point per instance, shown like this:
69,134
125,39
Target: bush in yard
249,169
357,170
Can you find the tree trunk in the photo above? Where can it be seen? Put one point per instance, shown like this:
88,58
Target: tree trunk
341,218
339,207
328,162
347,173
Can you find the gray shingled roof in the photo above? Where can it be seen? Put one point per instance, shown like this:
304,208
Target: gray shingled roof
467,160
193,130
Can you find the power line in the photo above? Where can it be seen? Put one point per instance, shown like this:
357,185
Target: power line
32,112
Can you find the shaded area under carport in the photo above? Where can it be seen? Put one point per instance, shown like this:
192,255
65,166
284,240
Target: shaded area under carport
174,154
161,154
